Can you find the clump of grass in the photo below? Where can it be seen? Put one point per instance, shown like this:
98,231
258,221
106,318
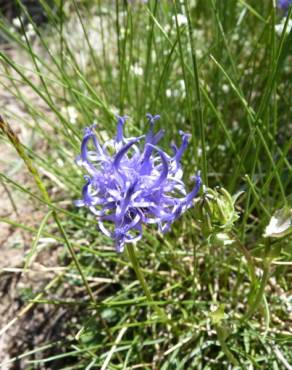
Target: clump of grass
218,71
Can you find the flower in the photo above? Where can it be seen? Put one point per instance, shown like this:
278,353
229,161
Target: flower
128,184
280,223
284,4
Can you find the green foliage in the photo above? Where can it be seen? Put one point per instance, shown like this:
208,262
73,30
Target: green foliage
216,69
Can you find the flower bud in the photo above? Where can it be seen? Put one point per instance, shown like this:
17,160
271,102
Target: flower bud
216,214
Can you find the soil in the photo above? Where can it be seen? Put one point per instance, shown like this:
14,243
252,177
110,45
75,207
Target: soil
24,330
19,331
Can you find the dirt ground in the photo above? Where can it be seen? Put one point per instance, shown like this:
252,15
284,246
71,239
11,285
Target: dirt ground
22,331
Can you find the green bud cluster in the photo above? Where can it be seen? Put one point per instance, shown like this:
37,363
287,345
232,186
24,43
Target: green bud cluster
216,214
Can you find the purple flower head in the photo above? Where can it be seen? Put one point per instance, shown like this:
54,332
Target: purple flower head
129,184
284,4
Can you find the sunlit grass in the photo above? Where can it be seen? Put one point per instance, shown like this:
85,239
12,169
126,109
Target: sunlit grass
215,69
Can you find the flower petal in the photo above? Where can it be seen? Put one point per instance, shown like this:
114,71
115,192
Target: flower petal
182,148
123,151
126,190
164,171
120,126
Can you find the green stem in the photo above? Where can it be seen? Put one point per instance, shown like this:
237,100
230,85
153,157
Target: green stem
259,297
248,257
198,104
139,273
225,349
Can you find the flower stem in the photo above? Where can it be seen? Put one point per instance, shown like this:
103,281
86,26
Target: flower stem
259,297
260,294
221,339
248,257
139,273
